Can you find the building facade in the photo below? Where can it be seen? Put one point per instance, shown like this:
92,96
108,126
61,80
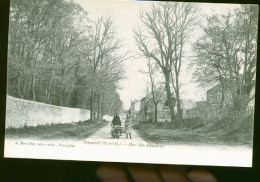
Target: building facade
135,111
147,109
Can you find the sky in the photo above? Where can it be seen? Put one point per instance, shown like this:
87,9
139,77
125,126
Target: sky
125,14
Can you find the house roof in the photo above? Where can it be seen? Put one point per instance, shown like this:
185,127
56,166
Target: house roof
229,83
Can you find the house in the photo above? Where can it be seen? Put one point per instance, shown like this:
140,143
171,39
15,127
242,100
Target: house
143,110
211,108
215,95
147,108
219,99
135,110
187,108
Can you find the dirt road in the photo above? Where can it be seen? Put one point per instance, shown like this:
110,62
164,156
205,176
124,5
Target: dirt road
104,133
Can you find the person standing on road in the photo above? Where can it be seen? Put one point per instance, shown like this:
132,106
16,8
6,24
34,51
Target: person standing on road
116,121
128,130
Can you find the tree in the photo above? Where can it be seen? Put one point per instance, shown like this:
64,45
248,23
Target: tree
110,72
226,54
57,55
156,86
166,29
246,22
104,59
111,103
210,67
47,41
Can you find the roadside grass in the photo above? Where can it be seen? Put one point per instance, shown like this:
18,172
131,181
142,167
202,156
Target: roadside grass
79,130
236,132
216,133
158,133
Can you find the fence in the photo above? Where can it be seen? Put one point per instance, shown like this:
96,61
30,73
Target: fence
21,113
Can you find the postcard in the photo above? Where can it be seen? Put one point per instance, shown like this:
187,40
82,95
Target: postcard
131,81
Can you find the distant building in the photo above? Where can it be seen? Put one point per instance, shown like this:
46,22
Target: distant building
214,95
143,110
135,111
187,108
147,109
212,106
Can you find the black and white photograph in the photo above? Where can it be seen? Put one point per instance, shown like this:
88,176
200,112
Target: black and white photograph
131,81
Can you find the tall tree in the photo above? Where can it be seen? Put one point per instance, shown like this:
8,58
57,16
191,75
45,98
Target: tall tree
103,55
57,55
155,85
110,72
226,53
246,22
45,49
166,28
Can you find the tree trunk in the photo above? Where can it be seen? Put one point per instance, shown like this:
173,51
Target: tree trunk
25,88
92,95
155,112
27,95
49,91
98,109
246,51
33,86
91,103
102,103
176,87
222,94
169,95
178,103
54,94
74,97
238,101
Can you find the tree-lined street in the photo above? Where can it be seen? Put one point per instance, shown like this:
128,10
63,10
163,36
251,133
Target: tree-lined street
65,53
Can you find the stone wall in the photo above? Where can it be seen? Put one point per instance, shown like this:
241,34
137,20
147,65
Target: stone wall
21,112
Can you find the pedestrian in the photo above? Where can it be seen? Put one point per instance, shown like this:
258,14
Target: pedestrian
116,122
128,129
